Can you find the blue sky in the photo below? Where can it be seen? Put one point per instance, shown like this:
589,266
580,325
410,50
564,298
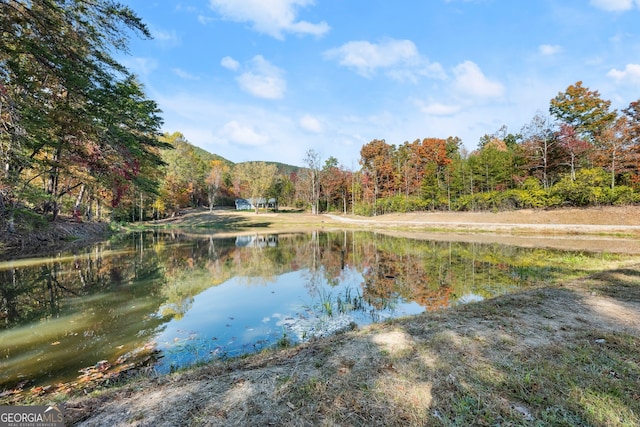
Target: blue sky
271,79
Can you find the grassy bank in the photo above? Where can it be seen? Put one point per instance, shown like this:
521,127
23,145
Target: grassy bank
563,355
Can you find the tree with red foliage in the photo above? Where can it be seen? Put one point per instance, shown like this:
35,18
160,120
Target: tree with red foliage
334,183
572,145
376,160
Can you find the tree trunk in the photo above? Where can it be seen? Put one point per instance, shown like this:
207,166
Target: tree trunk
76,208
79,198
11,227
52,184
344,203
89,213
573,166
613,171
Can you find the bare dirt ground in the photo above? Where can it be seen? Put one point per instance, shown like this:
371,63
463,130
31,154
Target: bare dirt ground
620,216
608,218
478,364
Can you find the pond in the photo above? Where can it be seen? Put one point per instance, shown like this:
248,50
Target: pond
190,299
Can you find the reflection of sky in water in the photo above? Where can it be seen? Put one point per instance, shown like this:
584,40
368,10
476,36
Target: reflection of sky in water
106,304
240,316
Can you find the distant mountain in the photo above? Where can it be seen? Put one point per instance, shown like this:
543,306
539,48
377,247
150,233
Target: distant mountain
207,156
184,151
283,168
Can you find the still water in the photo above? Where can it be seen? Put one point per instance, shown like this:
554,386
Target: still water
192,299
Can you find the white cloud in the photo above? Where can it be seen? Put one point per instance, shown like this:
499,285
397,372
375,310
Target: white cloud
438,109
631,74
271,17
469,80
141,66
204,20
400,58
185,74
230,63
615,5
263,79
167,38
549,49
310,124
242,134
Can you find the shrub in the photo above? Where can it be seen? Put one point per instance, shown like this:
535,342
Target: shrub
523,198
401,203
624,195
592,187
363,209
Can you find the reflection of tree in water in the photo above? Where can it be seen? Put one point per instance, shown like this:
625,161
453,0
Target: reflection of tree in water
37,293
131,282
43,288
405,269
76,310
430,273
9,292
435,273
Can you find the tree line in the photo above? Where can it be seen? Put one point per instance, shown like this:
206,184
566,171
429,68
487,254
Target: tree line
78,135
582,153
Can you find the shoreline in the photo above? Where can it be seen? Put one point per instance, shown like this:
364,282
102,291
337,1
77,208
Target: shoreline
536,356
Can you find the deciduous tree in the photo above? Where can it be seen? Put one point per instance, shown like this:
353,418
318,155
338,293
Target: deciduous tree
215,180
376,159
573,146
542,149
615,144
583,109
256,178
335,182
311,179
633,114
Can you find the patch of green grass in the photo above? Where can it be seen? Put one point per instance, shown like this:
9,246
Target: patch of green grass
284,341
593,379
310,388
28,220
